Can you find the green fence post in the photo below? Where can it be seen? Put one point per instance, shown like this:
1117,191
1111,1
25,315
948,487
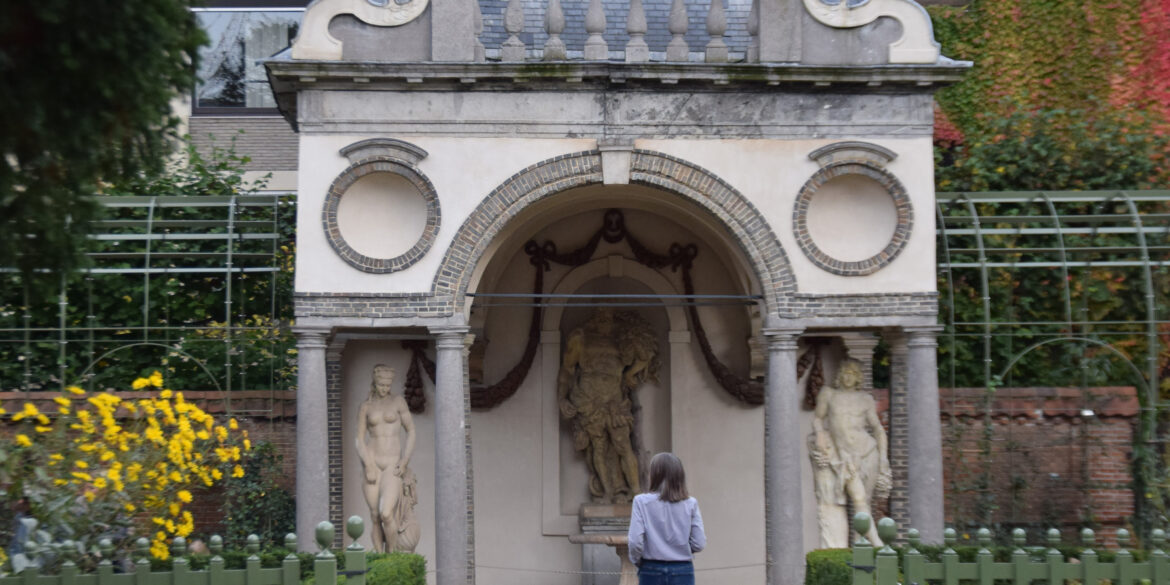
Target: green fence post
1055,559
105,568
252,564
950,558
291,564
179,564
215,567
1160,564
30,574
887,557
142,567
862,552
1021,561
355,555
68,551
984,559
1091,566
914,564
1124,563
325,565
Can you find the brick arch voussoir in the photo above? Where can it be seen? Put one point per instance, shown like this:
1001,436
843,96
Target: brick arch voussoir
648,168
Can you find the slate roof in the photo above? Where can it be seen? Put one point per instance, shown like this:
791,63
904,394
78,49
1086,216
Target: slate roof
657,18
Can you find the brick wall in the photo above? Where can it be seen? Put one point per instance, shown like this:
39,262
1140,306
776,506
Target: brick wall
268,141
1051,456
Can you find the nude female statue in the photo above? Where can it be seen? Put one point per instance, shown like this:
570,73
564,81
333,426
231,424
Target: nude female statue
389,485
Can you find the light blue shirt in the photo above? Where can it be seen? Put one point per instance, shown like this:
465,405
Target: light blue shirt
665,531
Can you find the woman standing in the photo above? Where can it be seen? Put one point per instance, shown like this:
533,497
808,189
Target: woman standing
666,528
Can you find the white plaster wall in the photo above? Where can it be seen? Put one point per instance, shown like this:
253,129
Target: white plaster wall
719,440
382,215
358,361
852,218
465,170
771,172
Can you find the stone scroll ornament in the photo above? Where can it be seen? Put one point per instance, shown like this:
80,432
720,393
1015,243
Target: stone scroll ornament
917,44
679,258
315,42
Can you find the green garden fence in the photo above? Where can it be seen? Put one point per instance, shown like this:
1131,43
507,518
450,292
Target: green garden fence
289,573
882,567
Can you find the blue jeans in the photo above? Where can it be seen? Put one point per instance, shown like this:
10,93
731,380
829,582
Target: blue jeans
666,573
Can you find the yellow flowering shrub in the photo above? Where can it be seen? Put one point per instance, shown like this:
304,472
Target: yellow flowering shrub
108,466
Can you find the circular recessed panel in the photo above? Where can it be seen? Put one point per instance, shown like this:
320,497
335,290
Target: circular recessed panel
381,215
852,218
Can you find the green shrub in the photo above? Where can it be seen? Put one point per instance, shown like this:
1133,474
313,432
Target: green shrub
398,569
827,567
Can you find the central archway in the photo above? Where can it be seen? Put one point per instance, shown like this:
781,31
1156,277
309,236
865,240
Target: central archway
724,205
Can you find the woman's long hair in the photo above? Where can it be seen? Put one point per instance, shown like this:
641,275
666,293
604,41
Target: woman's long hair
667,478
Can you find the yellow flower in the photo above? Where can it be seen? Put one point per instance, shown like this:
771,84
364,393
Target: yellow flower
156,379
90,496
129,507
42,419
99,483
174,509
56,457
62,401
41,429
81,464
74,390
60,482
247,445
140,383
237,471
165,394
23,441
233,425
30,409
184,496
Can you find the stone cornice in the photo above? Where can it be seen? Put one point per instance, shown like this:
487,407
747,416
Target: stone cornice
289,77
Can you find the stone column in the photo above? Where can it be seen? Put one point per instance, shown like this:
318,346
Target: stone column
924,435
452,496
784,520
312,432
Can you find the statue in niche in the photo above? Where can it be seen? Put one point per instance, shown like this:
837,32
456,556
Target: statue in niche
604,361
389,485
848,448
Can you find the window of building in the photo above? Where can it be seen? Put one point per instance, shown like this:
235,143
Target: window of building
242,33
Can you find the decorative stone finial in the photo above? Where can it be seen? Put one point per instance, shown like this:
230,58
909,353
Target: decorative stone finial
1019,537
914,538
596,49
861,522
1122,538
753,28
513,48
678,50
716,28
1053,537
984,537
290,542
354,527
215,545
949,536
637,51
1087,537
253,545
554,23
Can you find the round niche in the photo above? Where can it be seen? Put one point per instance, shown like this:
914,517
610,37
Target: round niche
852,218
381,215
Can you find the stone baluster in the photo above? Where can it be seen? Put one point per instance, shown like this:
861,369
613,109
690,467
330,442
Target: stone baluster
637,51
678,50
554,23
716,28
477,26
753,28
513,49
596,48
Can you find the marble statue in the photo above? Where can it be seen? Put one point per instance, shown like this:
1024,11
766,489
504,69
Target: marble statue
849,452
604,361
389,485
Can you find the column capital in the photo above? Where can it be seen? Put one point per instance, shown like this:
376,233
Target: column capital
922,336
311,337
450,336
782,338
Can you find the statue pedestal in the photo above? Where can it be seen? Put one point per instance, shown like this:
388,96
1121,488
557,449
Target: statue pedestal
604,529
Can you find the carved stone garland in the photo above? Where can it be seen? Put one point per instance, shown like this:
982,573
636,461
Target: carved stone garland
679,257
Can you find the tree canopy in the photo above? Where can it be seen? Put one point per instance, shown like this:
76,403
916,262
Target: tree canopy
86,92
